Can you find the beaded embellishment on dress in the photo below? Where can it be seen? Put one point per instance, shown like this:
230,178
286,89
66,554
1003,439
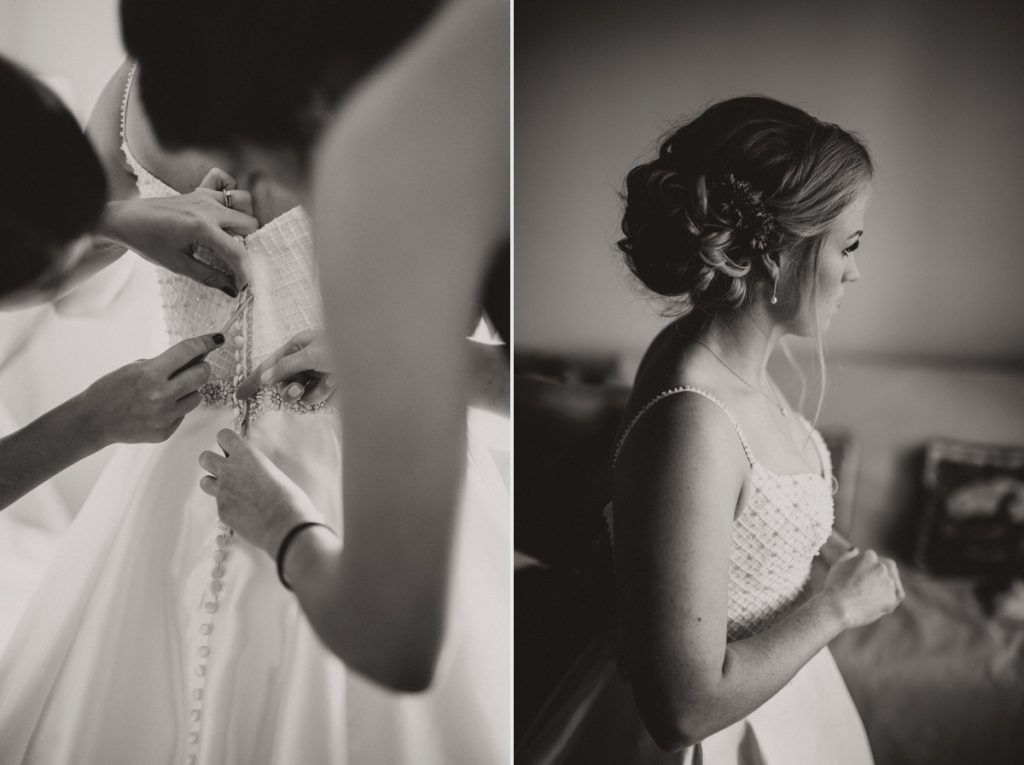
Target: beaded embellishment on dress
283,280
281,300
775,537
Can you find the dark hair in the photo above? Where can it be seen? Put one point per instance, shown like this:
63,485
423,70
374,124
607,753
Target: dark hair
216,74
691,219
52,186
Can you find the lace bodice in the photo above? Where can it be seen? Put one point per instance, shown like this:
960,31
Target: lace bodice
775,537
282,280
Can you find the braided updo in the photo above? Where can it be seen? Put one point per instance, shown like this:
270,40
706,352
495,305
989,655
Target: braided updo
747,178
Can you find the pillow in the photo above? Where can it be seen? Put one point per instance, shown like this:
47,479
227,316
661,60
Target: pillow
973,517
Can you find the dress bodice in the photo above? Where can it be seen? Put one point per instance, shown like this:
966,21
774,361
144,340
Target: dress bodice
775,537
283,282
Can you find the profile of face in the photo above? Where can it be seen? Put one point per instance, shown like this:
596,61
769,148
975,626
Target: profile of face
837,267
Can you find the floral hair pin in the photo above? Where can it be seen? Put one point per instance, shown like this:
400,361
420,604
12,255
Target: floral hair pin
745,205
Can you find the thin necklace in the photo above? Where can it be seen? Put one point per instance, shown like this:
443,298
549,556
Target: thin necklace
742,379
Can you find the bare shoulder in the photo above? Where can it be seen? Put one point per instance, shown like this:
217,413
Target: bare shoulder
678,484
682,427
678,445
107,110
104,132
181,170
674,393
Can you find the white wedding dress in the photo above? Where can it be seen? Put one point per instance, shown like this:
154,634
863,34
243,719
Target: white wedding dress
157,637
591,718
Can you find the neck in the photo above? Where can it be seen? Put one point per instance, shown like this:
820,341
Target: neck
745,340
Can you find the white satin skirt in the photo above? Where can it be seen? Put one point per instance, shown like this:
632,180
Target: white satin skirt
592,719
129,652
810,721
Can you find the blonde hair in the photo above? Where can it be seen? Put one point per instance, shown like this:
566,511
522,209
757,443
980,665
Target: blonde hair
686,239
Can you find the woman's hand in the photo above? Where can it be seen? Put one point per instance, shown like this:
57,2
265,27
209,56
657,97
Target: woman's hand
253,496
146,401
865,586
302,363
170,231
835,547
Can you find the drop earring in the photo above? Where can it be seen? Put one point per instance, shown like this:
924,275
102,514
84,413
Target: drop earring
775,288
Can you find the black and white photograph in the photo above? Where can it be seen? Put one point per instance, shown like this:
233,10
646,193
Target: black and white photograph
469,382
255,437
768,383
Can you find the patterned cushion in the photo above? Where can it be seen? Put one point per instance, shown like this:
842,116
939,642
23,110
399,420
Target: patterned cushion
972,521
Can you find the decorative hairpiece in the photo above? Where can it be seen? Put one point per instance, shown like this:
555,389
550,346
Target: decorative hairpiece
753,221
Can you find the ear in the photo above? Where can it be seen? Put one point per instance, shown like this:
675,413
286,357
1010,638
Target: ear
772,262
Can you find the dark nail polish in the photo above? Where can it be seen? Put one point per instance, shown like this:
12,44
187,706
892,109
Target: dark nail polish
229,291
218,339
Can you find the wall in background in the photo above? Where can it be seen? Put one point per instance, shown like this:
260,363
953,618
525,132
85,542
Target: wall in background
75,46
936,88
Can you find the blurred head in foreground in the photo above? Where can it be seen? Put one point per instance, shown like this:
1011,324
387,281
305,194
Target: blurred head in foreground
52,188
257,80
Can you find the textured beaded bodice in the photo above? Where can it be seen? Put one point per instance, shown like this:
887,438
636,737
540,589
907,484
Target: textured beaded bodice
283,283
282,301
775,537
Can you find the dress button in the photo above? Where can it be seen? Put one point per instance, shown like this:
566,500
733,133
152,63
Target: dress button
193,738
201,670
197,694
216,586
204,651
218,572
205,629
219,556
210,607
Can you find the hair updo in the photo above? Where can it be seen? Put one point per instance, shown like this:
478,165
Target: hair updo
748,177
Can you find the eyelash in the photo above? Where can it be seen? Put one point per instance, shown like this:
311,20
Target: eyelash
849,250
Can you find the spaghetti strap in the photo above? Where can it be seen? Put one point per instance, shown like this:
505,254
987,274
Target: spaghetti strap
671,392
148,184
124,100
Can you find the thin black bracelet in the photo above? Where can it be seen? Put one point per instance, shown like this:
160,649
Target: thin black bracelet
282,549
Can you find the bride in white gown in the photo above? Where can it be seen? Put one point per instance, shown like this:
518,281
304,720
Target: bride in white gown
744,225
158,636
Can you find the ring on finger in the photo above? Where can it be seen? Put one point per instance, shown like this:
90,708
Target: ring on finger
227,198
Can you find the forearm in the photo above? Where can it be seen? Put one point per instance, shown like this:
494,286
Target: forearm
40,450
114,231
372,628
755,669
380,602
399,303
108,244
